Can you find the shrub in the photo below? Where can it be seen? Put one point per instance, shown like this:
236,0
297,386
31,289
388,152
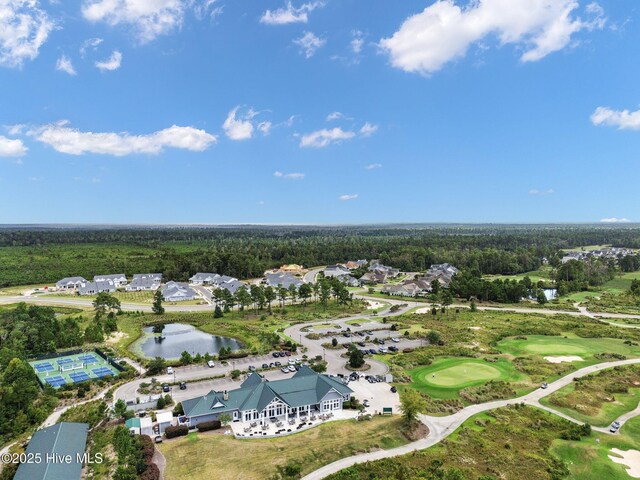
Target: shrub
176,431
212,425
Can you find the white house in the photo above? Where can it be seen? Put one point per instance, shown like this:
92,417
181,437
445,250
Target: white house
145,281
93,288
118,279
178,292
203,278
70,283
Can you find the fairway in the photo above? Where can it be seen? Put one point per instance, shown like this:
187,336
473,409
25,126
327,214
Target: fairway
586,348
445,377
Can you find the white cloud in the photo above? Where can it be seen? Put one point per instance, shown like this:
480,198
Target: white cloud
64,65
309,44
373,166
290,14
11,148
112,63
238,128
541,193
615,220
334,116
65,139
443,31
265,127
206,9
149,18
24,28
351,196
357,41
325,137
623,119
91,43
16,129
368,129
289,176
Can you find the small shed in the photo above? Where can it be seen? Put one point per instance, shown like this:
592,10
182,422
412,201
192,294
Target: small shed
140,426
164,420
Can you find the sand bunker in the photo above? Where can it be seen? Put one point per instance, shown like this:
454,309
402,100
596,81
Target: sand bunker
630,459
566,358
423,310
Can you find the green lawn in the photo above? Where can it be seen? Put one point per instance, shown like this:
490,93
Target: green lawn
600,398
445,377
542,274
568,344
212,455
586,460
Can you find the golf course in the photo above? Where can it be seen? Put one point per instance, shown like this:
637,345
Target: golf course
445,377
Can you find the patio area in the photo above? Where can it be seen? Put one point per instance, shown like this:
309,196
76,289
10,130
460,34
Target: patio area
277,427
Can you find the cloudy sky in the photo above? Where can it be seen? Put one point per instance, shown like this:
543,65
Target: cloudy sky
320,111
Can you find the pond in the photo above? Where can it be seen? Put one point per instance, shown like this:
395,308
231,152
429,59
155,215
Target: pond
179,337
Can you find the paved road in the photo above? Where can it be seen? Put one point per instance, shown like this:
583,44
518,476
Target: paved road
310,276
442,427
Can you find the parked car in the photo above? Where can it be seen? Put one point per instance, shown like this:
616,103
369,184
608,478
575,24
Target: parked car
365,403
282,354
613,429
278,364
287,353
265,365
616,424
275,354
395,340
382,350
373,351
544,385
369,332
393,349
158,439
298,360
165,387
183,385
252,368
210,364
362,344
284,369
292,368
292,361
169,370
394,389
346,334
142,413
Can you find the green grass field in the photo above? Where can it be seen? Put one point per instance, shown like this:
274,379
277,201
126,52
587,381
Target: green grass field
586,460
569,344
445,377
542,274
600,398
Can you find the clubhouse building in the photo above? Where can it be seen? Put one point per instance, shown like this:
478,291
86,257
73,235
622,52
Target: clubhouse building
260,400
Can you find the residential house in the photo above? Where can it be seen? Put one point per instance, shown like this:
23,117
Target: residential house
93,288
70,283
378,267
178,292
351,265
62,440
259,399
222,279
204,278
409,289
164,420
335,271
349,281
282,280
374,277
232,286
145,281
294,269
118,279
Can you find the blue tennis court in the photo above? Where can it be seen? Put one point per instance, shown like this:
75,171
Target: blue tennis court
43,367
78,377
64,361
102,372
88,358
55,382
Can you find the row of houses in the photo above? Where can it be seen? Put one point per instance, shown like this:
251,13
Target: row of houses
379,273
608,252
231,284
442,273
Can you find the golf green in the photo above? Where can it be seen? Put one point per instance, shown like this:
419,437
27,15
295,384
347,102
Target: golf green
566,345
445,377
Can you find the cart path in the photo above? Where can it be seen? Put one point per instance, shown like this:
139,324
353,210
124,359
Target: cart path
442,427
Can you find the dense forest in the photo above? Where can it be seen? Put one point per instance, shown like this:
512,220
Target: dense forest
44,255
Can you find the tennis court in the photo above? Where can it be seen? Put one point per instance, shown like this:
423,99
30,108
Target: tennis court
72,369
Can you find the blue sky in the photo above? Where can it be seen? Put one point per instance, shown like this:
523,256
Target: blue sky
335,111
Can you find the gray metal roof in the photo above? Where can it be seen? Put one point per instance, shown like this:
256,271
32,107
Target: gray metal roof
61,439
282,279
